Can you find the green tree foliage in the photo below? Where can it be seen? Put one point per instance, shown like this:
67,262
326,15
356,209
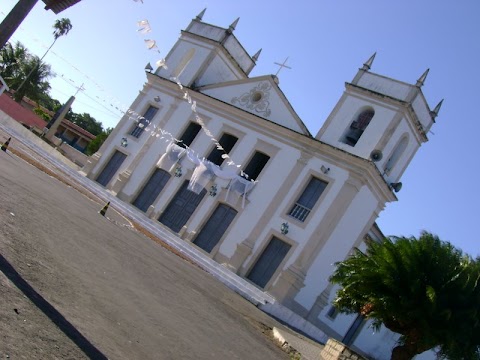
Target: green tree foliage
87,122
49,103
40,112
15,63
61,27
425,289
36,84
10,59
99,140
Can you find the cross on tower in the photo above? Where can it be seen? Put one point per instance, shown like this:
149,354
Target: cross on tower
282,66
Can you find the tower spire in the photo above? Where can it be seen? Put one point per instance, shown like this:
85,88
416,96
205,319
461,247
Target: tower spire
255,57
435,111
367,65
422,78
200,16
234,24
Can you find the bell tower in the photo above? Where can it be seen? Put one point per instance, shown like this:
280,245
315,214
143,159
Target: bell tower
207,54
380,119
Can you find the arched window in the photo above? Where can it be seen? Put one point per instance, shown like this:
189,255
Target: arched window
358,126
397,152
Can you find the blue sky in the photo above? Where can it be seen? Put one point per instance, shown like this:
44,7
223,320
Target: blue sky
326,42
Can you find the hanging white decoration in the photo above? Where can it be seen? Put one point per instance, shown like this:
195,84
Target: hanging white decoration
161,63
144,27
151,44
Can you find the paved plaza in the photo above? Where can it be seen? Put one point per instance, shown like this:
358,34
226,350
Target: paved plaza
76,285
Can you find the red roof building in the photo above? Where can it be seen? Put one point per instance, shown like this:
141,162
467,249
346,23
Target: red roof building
69,132
24,116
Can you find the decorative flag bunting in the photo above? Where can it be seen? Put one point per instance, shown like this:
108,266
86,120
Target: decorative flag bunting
151,44
161,63
144,27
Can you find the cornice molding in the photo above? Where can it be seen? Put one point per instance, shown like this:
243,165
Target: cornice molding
362,168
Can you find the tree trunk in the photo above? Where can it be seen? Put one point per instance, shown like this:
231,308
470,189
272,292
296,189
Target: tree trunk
402,352
413,344
14,18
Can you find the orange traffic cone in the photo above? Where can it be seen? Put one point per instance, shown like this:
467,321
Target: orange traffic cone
5,146
104,209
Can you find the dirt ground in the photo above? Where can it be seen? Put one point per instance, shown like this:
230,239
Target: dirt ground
76,285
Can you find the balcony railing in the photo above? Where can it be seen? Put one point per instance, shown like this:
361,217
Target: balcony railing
299,212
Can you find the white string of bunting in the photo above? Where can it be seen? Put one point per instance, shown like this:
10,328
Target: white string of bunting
144,28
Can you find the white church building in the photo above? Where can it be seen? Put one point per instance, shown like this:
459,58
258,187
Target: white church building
223,161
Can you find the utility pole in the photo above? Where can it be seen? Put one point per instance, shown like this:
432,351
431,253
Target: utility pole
14,18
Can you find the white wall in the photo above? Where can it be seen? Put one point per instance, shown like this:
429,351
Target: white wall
338,245
341,120
384,85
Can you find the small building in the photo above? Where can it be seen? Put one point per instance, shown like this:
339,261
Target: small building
24,115
70,139
68,132
74,135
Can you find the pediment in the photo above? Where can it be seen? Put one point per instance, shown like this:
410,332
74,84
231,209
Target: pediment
260,96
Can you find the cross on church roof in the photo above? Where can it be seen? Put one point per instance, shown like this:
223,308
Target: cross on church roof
282,66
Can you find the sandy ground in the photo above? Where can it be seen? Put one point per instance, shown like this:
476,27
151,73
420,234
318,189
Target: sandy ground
76,285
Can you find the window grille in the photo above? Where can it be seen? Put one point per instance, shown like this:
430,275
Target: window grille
305,203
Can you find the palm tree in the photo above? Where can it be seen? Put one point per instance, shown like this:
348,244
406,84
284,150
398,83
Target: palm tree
61,27
425,289
15,62
11,58
37,83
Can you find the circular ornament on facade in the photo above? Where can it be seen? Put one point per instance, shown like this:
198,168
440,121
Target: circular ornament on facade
256,96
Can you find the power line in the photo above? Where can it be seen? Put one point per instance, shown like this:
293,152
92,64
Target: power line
72,83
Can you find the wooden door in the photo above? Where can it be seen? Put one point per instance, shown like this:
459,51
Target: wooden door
111,168
151,189
181,208
268,262
215,227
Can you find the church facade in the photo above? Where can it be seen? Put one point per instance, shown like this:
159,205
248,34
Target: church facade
223,161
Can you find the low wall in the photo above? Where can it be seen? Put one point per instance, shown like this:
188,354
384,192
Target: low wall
336,350
73,154
9,122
